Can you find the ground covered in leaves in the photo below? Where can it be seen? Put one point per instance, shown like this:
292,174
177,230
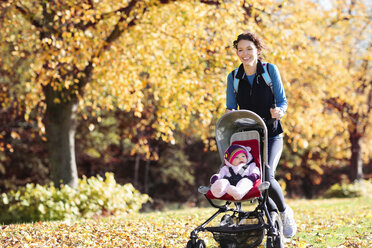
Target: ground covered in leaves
321,223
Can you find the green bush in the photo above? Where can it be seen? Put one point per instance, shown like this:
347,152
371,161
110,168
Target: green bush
356,189
94,196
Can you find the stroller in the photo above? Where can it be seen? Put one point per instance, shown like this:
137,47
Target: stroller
239,228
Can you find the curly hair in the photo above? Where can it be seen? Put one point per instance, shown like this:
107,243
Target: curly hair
251,37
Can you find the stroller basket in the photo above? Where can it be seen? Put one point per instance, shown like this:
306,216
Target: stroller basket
239,236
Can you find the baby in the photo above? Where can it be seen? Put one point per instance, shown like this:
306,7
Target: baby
238,174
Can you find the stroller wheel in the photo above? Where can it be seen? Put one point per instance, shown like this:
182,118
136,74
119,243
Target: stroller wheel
276,240
189,244
200,244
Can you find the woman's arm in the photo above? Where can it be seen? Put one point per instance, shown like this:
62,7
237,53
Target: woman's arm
278,91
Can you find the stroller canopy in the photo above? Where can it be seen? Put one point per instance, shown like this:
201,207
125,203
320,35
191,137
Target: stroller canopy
236,121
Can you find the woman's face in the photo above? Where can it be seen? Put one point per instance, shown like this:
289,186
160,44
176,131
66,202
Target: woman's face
247,52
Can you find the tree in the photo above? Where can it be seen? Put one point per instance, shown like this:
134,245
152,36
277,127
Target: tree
91,57
353,101
67,41
67,38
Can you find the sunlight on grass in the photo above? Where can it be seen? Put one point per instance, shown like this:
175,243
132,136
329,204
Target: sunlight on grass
334,222
321,223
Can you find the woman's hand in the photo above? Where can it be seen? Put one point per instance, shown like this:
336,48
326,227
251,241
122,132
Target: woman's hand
276,113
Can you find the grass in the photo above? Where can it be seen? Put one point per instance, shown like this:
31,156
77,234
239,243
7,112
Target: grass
334,222
321,223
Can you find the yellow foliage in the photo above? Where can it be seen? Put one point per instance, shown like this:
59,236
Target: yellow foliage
171,65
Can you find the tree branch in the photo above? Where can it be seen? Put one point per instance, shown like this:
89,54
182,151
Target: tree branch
341,18
28,16
123,11
117,32
248,8
343,108
211,2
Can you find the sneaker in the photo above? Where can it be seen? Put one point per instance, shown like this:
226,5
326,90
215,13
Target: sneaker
289,224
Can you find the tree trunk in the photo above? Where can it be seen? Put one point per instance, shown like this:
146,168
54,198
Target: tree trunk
136,169
60,127
147,170
356,163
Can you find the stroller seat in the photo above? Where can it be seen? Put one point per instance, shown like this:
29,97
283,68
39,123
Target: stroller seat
249,138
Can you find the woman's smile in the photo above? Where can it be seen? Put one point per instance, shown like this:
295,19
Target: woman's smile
247,52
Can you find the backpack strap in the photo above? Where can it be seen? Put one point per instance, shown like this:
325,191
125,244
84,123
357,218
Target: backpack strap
236,81
265,76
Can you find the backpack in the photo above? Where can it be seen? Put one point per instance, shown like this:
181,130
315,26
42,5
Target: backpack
265,75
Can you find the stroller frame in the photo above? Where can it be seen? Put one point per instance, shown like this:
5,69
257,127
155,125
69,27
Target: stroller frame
232,231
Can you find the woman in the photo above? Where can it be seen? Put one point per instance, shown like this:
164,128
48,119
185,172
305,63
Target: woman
253,93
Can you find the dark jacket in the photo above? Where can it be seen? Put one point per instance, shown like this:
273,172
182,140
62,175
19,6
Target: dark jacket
258,98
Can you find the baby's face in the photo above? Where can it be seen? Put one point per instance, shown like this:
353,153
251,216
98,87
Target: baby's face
240,158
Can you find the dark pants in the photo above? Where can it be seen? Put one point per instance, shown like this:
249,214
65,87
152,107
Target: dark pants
276,197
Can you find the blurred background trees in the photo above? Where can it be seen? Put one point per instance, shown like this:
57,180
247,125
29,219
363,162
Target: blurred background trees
142,84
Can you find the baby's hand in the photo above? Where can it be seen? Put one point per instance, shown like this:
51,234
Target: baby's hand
253,177
213,179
